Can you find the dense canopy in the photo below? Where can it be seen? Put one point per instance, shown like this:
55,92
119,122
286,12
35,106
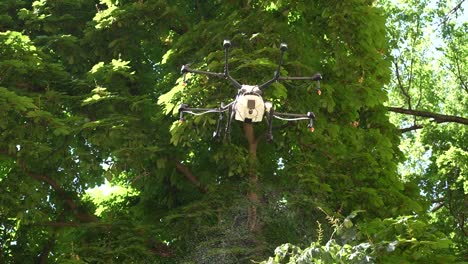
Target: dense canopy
95,167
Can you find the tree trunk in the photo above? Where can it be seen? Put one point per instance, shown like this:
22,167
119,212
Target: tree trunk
252,193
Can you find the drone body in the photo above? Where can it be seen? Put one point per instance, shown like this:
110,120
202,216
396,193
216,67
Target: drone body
248,106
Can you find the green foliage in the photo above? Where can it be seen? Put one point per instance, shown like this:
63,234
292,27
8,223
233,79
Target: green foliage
405,239
331,252
89,91
429,54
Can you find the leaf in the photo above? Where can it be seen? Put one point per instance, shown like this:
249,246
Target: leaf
279,91
61,131
19,103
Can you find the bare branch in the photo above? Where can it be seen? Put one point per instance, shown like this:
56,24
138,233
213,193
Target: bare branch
439,118
411,128
437,207
85,217
449,13
463,83
189,175
400,84
411,74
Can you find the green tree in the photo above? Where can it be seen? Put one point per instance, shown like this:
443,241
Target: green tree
349,163
88,91
71,101
428,93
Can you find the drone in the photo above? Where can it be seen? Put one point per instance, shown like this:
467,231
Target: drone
248,105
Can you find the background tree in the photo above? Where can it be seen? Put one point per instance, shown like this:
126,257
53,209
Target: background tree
428,91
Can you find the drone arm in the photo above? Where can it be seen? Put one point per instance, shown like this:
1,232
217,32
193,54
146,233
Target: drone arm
283,48
195,109
268,83
234,82
227,45
315,77
295,117
225,74
185,69
183,108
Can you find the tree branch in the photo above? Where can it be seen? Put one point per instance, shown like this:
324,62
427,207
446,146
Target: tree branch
411,128
189,175
76,210
59,224
437,207
400,84
458,73
81,215
439,118
449,13
49,246
411,75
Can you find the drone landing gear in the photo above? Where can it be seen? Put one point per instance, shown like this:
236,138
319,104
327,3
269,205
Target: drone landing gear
228,109
288,117
230,117
230,113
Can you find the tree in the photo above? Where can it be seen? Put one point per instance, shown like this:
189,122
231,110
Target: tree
428,91
68,106
87,94
308,161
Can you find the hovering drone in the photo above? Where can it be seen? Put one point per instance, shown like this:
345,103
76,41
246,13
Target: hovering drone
248,105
